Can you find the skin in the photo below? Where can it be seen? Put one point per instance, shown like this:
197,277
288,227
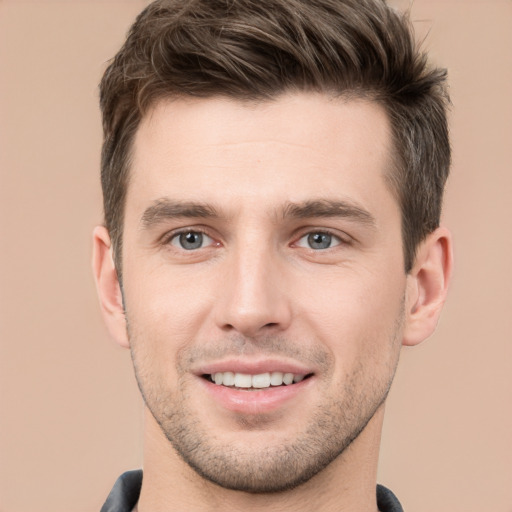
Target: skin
257,182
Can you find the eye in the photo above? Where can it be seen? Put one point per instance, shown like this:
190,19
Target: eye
319,240
191,240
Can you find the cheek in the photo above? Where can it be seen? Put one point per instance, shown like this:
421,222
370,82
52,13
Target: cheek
358,317
169,301
164,313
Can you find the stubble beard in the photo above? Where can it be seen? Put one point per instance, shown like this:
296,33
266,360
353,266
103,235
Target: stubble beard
271,469
332,427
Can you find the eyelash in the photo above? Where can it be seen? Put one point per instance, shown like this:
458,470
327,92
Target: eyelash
169,237
341,240
345,240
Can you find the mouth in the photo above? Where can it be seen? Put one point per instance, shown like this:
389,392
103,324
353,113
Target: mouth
256,387
248,382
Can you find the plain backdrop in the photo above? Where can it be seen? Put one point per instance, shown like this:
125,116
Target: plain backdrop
70,413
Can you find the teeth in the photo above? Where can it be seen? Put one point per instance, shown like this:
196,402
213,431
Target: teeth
262,380
228,379
276,379
242,380
287,378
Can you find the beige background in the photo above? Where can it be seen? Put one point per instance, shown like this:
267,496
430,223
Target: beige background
70,415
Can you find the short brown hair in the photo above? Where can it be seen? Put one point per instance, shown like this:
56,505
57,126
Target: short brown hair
259,49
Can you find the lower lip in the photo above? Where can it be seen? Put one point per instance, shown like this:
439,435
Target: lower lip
255,401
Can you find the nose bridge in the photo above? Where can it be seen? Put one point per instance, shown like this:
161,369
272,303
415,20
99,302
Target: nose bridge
253,298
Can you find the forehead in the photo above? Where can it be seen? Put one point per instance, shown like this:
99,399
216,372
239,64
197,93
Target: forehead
290,148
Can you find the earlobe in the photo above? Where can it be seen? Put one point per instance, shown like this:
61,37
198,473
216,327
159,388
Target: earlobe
427,286
107,285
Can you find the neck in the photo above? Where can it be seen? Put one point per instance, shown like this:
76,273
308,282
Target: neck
347,484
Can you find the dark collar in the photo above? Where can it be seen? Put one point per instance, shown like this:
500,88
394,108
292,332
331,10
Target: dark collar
125,494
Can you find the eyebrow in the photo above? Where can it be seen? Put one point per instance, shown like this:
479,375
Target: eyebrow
164,209
329,208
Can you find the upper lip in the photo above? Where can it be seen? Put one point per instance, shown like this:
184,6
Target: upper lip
253,367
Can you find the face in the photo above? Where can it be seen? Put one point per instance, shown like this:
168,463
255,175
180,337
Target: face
263,281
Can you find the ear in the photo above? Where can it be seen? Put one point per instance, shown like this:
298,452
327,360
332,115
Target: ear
107,285
427,286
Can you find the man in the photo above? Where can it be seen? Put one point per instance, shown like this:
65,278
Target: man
272,174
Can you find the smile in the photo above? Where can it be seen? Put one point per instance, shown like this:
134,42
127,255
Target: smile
256,387
259,381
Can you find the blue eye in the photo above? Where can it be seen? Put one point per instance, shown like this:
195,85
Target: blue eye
191,240
318,240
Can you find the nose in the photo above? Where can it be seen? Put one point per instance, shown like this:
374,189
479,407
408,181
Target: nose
253,299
